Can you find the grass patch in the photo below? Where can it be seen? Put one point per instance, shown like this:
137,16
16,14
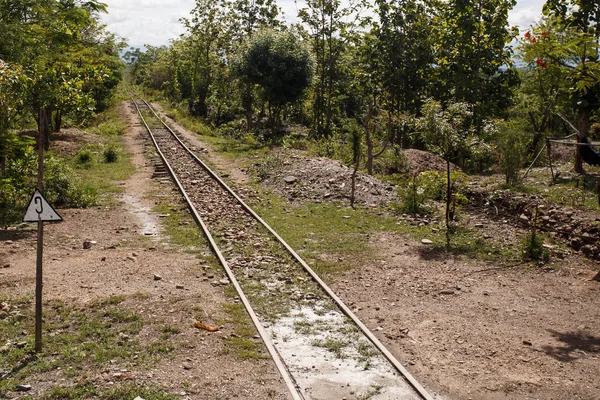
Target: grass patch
123,392
103,177
179,226
241,343
336,346
76,341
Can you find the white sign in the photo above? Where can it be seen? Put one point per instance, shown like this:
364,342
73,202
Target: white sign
40,210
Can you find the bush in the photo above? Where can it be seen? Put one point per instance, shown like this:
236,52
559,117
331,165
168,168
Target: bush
511,150
63,188
390,162
110,155
533,248
413,198
84,157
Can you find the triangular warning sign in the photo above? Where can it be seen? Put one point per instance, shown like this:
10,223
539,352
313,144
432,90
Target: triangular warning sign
40,210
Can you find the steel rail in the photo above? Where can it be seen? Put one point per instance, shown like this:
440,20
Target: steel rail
283,371
345,309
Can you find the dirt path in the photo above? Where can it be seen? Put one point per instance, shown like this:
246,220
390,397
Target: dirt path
128,248
469,329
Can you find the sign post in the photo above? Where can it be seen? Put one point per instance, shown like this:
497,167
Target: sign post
39,210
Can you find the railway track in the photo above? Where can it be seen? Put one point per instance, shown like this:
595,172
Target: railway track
322,350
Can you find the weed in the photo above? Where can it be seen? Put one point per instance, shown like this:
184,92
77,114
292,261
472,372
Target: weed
533,248
168,331
110,154
84,157
336,346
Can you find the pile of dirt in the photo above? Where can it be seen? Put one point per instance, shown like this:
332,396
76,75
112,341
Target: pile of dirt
303,178
419,161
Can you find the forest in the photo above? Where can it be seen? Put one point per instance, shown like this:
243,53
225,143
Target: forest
361,81
358,81
58,64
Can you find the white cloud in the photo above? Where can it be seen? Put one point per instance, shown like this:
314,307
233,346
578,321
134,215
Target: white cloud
156,22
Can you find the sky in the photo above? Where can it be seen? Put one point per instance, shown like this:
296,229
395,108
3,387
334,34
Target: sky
155,22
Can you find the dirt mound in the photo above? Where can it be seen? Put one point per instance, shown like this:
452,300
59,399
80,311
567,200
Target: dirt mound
419,161
316,178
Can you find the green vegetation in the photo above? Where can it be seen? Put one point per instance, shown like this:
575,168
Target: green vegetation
242,344
78,341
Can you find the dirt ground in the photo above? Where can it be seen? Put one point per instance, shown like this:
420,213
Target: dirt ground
468,329
128,248
464,328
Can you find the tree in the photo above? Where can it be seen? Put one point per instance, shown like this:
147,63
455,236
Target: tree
280,65
446,131
203,41
473,60
578,58
13,86
401,58
328,23
544,89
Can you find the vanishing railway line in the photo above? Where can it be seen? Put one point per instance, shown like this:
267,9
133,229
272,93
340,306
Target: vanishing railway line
319,346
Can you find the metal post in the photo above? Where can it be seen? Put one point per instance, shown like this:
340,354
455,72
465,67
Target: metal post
38,288
40,233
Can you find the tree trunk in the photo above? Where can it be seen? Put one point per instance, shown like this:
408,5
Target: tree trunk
57,121
247,104
583,123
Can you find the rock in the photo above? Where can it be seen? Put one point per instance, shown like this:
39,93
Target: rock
290,179
588,249
139,398
178,286
87,244
527,343
575,243
157,277
23,388
446,292
224,281
6,266
426,241
4,348
186,366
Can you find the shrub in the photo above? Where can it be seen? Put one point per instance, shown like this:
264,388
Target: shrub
413,198
533,248
84,157
511,150
63,188
110,155
390,162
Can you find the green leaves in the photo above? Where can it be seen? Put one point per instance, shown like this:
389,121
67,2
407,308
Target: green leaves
279,64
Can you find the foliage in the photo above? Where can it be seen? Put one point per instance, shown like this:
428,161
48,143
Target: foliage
511,150
473,56
533,247
110,154
280,65
447,131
